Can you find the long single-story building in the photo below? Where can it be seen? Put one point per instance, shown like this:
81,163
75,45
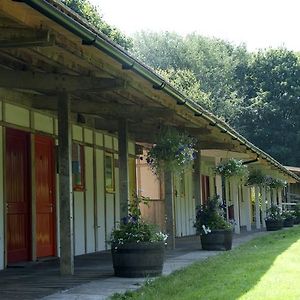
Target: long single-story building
75,110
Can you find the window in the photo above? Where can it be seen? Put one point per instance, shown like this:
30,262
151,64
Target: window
78,167
109,172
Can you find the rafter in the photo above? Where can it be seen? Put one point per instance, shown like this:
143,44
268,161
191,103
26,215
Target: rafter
24,37
53,82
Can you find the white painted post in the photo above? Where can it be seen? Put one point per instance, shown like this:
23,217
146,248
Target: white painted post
263,205
235,197
268,198
280,198
219,181
247,199
227,186
257,208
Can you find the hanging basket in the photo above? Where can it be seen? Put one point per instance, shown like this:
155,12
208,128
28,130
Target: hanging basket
232,168
174,151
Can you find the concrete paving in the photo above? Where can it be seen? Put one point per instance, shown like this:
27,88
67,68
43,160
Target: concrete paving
175,260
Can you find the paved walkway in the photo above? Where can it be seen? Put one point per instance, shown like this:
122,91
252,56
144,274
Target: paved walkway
93,279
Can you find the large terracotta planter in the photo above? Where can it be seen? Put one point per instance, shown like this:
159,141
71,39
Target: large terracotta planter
217,240
138,259
273,225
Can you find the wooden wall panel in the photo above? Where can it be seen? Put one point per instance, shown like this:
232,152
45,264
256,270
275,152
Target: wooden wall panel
1,203
43,123
89,200
101,245
79,232
16,115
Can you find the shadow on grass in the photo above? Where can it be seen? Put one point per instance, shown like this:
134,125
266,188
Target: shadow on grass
227,276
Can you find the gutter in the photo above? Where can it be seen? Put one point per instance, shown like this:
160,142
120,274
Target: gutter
104,44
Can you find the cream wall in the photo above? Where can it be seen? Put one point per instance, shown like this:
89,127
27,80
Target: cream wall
96,212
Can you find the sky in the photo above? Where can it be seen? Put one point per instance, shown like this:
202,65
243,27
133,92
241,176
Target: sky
257,23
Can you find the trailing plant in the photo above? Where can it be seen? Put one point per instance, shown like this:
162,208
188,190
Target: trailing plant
256,177
274,183
210,217
173,151
288,216
273,213
133,229
232,168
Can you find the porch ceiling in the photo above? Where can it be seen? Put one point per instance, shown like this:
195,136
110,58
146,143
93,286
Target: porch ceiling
47,59
42,58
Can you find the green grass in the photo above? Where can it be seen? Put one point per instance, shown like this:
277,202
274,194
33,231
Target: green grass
264,268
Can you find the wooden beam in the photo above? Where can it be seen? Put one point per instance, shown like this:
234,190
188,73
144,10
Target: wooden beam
52,82
24,37
216,145
65,187
106,109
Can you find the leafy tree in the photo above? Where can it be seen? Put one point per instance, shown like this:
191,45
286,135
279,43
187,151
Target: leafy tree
186,82
271,107
216,64
92,14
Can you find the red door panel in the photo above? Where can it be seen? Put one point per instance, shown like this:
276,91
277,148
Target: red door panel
45,200
17,196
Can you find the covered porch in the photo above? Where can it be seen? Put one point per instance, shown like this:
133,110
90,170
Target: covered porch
94,273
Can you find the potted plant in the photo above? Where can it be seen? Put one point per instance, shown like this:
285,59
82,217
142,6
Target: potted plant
256,177
137,248
288,219
215,232
296,213
274,220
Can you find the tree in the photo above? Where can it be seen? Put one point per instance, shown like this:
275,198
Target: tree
92,14
186,82
216,64
271,107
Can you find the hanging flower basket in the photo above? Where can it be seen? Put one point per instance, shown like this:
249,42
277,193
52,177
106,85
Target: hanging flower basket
274,183
232,168
173,151
256,177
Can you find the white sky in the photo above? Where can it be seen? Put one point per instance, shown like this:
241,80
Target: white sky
257,23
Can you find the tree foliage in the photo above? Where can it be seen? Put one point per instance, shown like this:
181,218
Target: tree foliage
257,93
92,14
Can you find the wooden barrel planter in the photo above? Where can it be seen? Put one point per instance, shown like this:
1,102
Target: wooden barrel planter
138,259
217,240
273,225
288,222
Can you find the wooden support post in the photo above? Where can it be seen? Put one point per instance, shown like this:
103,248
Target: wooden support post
123,167
263,205
65,186
236,206
169,209
247,199
257,208
197,179
219,191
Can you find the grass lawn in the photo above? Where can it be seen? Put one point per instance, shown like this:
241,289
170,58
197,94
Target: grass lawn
264,268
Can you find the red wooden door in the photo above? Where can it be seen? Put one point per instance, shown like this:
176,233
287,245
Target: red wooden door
45,198
17,196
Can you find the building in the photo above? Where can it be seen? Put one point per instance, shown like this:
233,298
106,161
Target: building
73,106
